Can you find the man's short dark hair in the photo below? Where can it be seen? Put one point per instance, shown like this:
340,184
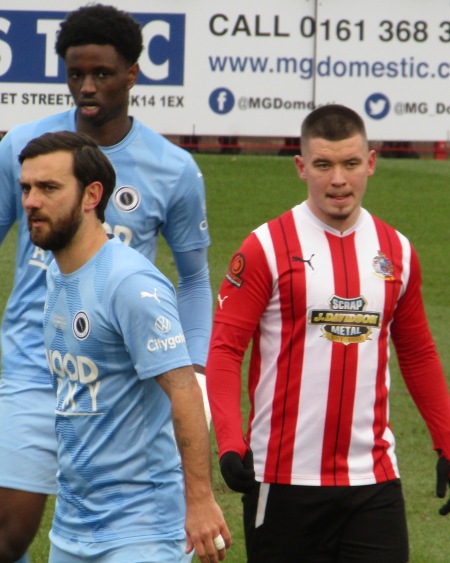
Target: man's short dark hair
97,24
89,163
332,122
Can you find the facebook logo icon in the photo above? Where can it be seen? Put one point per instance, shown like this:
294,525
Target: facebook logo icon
221,100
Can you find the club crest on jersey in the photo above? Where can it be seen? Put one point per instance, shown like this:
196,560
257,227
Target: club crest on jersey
126,198
81,326
346,320
383,267
236,269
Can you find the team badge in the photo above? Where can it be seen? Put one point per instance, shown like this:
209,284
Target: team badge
383,267
346,320
127,198
81,325
236,269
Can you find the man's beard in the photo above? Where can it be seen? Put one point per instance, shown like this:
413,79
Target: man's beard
61,233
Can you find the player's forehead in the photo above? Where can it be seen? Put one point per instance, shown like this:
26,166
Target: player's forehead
93,56
318,148
57,165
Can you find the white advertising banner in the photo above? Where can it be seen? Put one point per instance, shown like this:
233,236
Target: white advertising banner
246,68
390,61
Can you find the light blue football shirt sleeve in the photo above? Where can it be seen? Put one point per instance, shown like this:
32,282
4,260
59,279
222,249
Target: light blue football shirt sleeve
186,219
160,190
195,302
186,226
143,310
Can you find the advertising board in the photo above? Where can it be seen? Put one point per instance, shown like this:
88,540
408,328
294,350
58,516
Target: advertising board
246,68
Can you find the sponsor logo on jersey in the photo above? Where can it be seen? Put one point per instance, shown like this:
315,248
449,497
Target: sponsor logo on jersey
203,224
169,343
40,258
76,368
126,198
383,267
236,269
76,377
81,325
120,231
162,324
346,320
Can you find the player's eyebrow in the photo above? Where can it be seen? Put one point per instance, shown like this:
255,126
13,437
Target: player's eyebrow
42,184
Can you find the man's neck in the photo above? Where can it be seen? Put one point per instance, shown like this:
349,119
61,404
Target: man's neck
108,134
80,250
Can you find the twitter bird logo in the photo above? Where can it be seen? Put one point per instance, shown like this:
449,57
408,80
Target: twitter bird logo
377,106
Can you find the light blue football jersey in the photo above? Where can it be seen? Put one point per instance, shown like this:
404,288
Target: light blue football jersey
109,329
159,189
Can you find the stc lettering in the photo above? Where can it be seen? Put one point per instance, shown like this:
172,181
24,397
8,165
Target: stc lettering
27,47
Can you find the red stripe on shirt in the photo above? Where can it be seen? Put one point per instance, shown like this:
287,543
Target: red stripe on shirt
390,246
344,364
291,284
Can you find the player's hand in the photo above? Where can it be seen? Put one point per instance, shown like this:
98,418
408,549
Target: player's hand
206,530
442,481
238,473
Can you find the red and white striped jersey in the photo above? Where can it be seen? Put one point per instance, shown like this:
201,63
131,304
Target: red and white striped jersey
320,308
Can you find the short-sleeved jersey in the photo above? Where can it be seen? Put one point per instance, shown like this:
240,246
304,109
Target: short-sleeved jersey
109,329
321,306
159,188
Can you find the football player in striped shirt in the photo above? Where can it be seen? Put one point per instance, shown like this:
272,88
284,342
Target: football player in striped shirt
320,291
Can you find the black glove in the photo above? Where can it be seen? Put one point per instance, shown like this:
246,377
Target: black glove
443,473
238,473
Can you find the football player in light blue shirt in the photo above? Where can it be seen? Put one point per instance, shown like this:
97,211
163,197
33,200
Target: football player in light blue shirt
126,393
159,189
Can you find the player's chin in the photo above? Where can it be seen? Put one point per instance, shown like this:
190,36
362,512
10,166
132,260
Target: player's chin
39,241
343,206
44,240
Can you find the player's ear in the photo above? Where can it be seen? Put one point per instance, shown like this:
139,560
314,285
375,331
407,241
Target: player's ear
133,72
92,195
300,165
371,163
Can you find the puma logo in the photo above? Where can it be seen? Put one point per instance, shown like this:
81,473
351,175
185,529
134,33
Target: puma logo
153,295
220,300
304,260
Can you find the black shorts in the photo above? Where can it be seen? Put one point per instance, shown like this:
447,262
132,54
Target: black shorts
358,524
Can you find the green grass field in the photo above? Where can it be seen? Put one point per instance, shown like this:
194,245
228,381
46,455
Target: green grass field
412,195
